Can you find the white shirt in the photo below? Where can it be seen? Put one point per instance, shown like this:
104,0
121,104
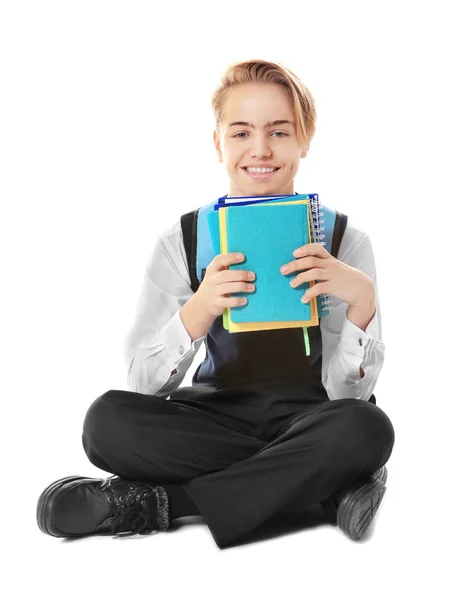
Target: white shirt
158,344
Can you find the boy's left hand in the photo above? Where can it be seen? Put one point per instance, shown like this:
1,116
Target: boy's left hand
337,278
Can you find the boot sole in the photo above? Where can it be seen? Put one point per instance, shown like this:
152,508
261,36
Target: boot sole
47,503
358,508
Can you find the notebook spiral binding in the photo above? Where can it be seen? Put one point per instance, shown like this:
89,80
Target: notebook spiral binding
318,236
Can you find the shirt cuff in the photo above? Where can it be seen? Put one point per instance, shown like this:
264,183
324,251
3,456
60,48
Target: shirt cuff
356,341
176,340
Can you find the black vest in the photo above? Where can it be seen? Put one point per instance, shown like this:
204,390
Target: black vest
257,360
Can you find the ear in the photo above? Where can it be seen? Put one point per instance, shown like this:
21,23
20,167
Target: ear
305,151
217,143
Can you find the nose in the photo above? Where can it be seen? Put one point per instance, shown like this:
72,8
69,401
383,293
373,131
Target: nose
261,148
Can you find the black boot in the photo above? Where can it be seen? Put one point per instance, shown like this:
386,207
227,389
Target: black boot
331,505
78,506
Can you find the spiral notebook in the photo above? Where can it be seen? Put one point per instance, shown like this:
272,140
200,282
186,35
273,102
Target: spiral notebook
317,232
244,229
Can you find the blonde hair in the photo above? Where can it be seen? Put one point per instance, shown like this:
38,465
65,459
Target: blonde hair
263,71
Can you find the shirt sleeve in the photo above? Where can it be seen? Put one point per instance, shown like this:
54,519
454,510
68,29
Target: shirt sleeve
158,350
345,346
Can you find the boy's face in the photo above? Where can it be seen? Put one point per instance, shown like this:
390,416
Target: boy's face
242,145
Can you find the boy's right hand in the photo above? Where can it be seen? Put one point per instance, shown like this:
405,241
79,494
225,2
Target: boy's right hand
220,281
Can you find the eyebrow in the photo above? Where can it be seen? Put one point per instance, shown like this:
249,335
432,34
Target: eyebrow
269,124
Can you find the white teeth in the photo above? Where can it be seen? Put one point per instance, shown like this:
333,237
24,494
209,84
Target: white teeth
253,170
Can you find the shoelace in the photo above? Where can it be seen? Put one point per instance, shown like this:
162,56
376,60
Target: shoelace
132,512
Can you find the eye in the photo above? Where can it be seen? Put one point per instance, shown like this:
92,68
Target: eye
245,133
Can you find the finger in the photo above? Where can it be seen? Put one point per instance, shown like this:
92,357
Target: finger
316,249
313,291
312,275
224,260
299,265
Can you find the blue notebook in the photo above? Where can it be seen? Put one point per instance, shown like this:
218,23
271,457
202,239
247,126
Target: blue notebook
267,234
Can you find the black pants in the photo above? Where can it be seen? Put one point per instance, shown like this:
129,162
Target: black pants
241,456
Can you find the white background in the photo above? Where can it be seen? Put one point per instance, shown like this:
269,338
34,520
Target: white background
105,120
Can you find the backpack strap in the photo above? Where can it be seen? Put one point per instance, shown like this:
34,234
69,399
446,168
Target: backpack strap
340,225
189,229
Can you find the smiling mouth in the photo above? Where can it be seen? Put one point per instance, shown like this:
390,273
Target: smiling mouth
253,173
260,176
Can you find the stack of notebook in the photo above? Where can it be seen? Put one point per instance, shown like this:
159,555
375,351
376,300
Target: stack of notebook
267,230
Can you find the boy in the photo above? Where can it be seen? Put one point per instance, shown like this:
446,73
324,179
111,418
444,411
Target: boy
264,426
